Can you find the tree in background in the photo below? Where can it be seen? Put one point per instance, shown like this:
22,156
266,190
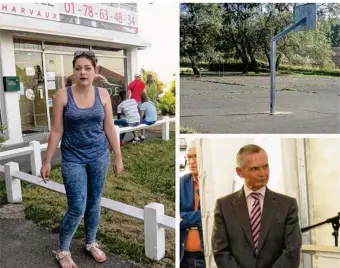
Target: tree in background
200,26
335,35
245,30
159,84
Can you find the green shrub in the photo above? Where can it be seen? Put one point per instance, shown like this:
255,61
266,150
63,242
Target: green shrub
2,136
187,130
167,103
151,91
172,88
159,83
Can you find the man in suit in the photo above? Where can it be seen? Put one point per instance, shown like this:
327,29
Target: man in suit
191,236
256,227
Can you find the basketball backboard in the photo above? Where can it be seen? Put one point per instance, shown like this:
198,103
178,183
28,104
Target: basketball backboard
307,11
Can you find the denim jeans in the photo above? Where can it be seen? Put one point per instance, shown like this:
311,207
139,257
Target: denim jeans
124,123
191,262
147,122
84,186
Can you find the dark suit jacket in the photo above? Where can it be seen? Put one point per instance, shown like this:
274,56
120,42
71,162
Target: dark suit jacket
189,217
280,238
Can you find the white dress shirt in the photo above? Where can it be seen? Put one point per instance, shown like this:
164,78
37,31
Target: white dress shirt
250,200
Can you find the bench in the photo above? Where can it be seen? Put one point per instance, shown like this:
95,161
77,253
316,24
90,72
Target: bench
164,122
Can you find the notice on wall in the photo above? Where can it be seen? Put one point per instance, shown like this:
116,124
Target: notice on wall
30,71
22,88
51,85
50,76
41,92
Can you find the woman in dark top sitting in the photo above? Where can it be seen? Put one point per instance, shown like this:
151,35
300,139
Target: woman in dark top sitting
82,120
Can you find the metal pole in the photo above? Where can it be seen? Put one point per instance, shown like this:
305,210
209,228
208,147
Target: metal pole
273,60
272,74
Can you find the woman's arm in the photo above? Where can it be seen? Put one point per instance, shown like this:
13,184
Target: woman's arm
109,128
57,124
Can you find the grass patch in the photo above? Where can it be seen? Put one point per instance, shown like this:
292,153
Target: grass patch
283,70
3,195
187,130
149,176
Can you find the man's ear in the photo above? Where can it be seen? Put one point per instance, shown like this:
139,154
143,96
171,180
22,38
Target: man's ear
239,172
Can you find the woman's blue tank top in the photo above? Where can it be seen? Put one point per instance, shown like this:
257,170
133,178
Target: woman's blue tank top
84,139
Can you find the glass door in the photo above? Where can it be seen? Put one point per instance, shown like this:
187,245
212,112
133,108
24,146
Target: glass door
32,97
59,73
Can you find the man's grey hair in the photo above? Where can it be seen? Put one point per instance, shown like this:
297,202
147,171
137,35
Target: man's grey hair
245,150
192,143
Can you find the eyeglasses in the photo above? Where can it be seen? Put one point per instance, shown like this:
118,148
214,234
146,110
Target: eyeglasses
191,157
89,54
84,53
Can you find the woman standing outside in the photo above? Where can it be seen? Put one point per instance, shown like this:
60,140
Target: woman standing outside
82,120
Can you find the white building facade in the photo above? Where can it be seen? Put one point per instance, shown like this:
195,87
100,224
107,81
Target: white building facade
37,43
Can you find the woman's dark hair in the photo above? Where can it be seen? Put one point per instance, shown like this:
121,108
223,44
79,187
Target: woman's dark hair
85,54
68,82
144,96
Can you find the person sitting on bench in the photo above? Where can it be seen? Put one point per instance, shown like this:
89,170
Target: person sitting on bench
148,112
128,116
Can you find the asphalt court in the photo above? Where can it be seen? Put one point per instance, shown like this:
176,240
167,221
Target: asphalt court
240,104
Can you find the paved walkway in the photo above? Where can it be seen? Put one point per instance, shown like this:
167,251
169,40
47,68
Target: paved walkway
25,245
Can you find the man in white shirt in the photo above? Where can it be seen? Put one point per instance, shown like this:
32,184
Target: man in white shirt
128,115
256,227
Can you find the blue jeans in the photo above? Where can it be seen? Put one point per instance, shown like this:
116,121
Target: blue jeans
147,122
124,123
192,262
84,186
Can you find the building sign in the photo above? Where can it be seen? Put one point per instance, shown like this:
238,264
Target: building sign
90,15
99,13
34,10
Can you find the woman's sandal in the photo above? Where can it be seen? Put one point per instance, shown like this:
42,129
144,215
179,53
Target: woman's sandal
96,253
66,255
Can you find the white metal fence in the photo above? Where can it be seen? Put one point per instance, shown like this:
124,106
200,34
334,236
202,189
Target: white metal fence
155,221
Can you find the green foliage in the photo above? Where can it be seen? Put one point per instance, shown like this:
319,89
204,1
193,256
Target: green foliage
151,91
167,103
243,32
159,83
335,35
187,130
172,88
2,136
200,27
309,48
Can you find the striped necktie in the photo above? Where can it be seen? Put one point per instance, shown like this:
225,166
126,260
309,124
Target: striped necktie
255,219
